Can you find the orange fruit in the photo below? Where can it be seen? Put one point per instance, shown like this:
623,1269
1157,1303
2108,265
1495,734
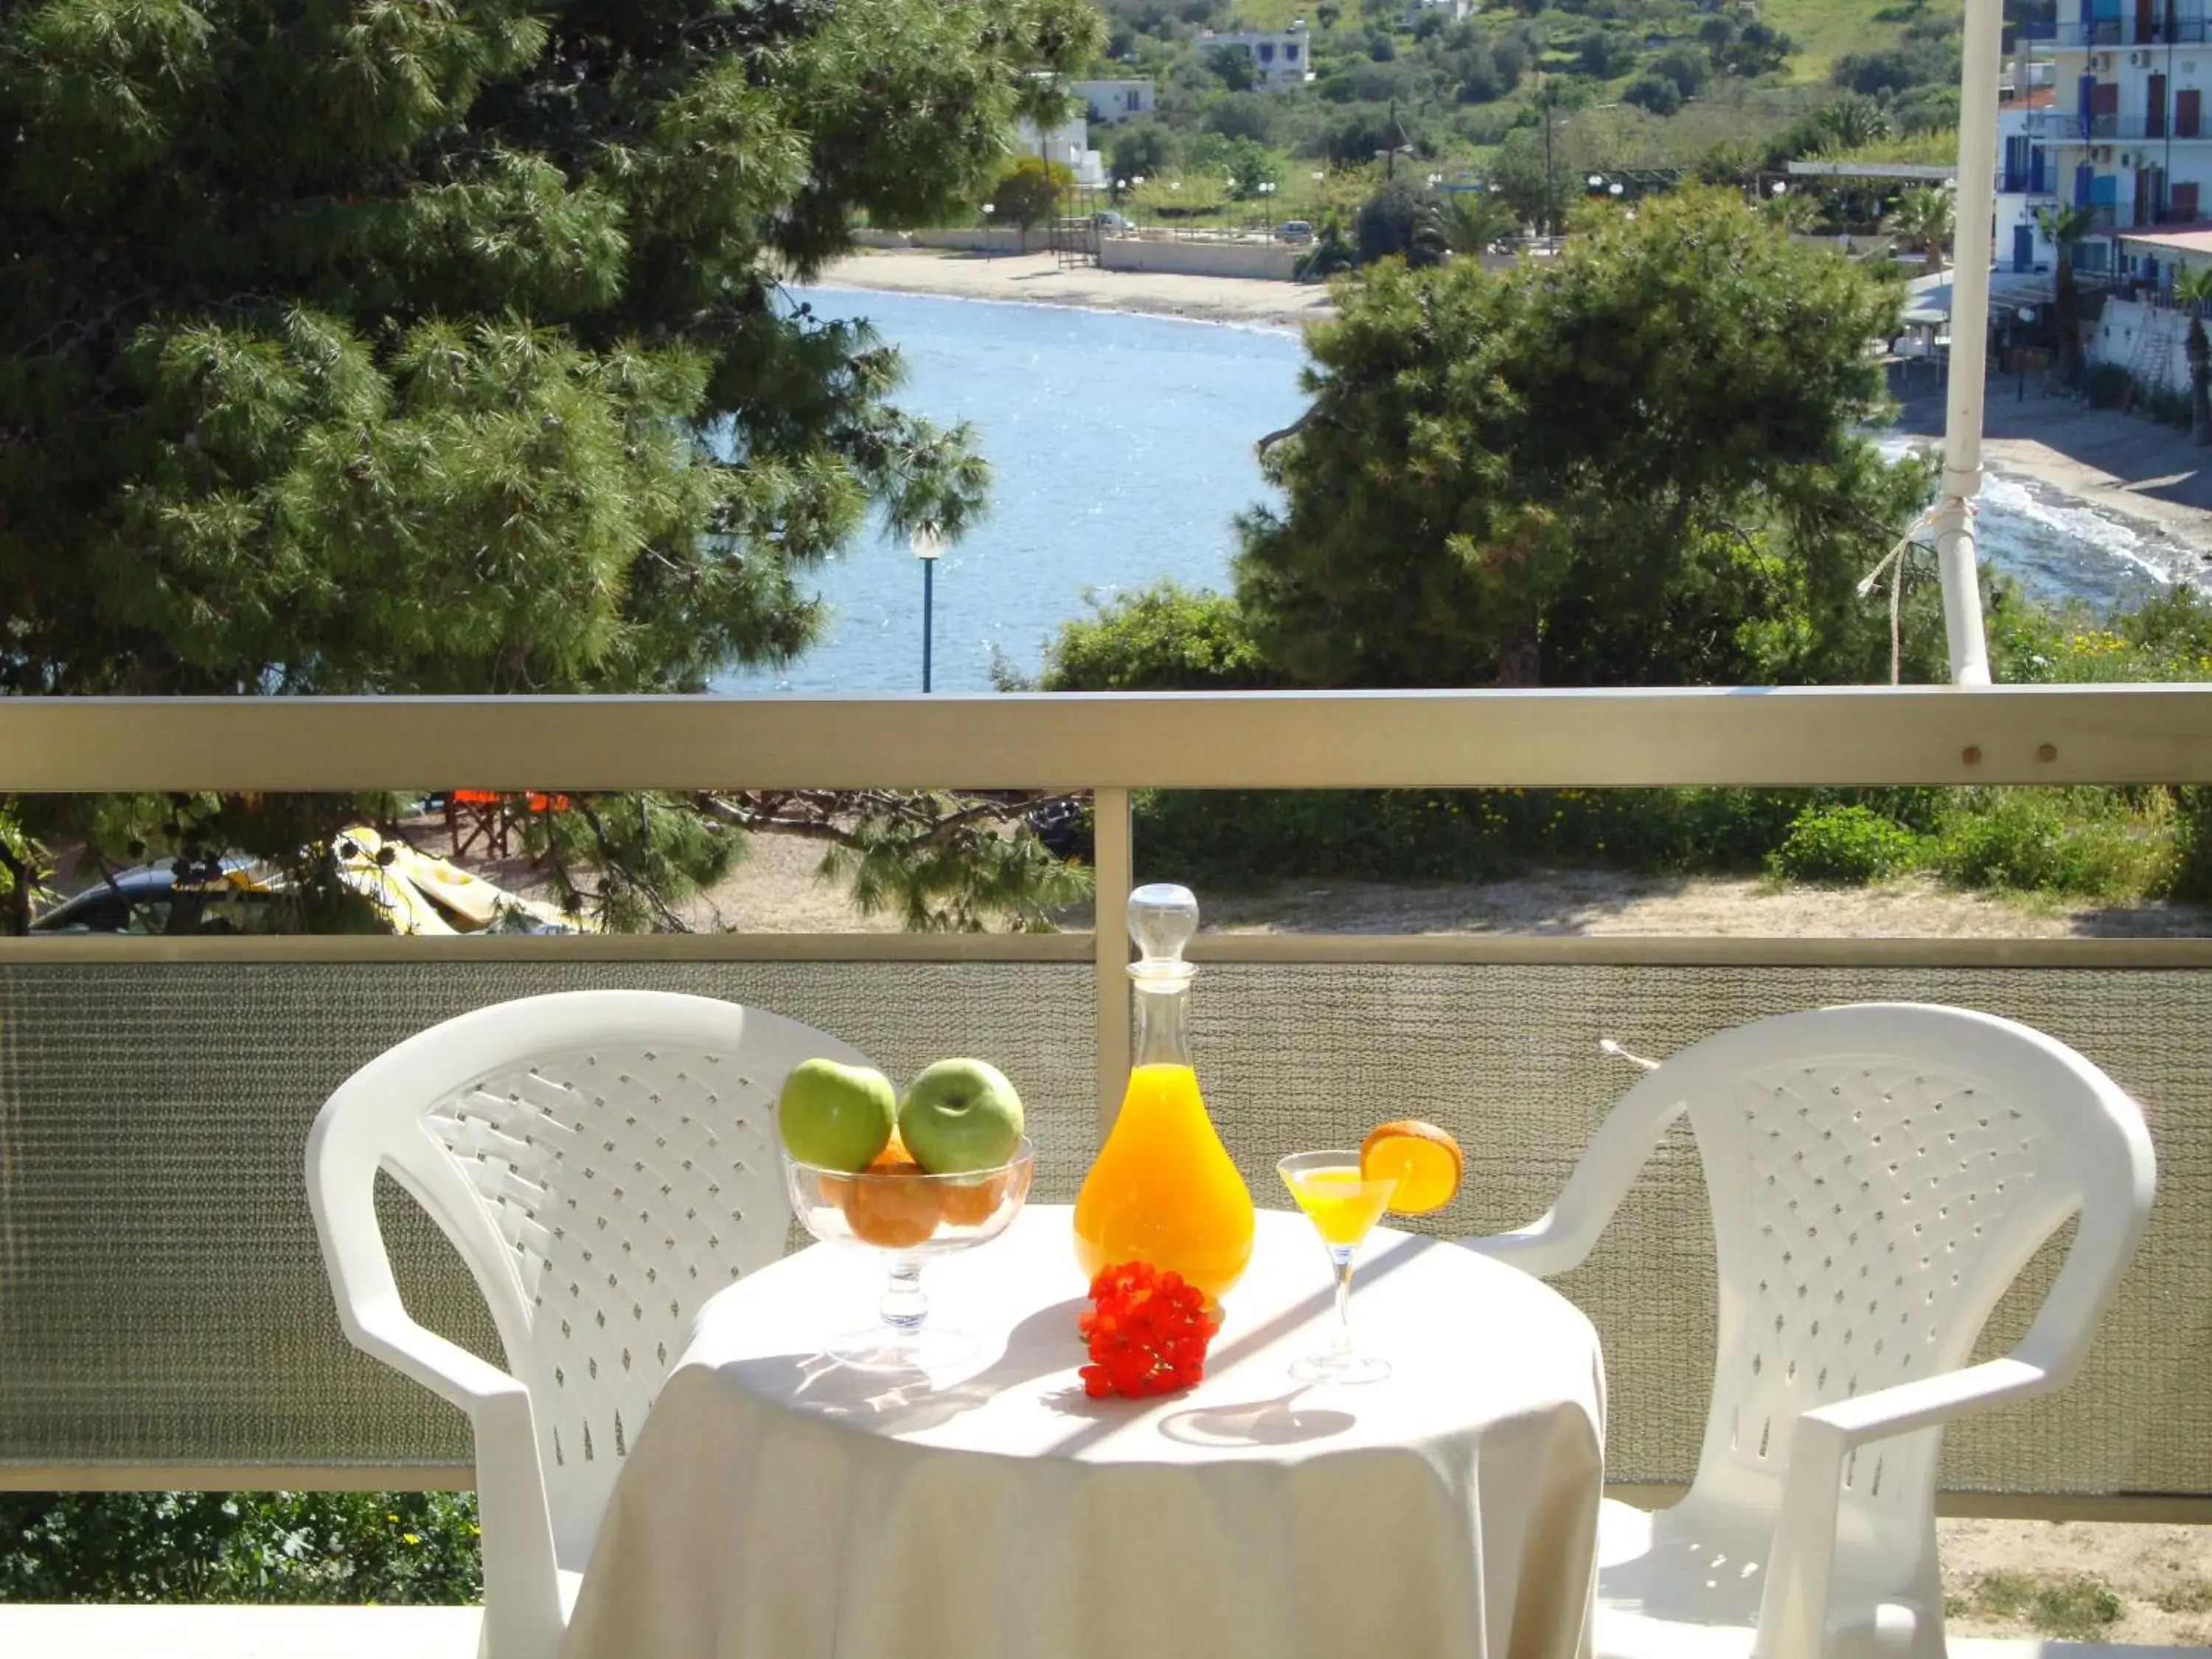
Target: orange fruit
970,1203
890,1203
1426,1161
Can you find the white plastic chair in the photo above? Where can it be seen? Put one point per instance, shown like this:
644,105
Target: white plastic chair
1878,1175
603,1161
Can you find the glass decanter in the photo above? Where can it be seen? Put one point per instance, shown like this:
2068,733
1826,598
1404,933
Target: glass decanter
1162,1188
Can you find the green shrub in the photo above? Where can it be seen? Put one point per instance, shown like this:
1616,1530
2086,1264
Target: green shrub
2107,385
2074,1607
1246,838
394,1548
2190,877
1845,846
2081,842
2165,403
1162,638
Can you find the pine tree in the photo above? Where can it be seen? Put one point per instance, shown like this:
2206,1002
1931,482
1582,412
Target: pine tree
1637,463
440,346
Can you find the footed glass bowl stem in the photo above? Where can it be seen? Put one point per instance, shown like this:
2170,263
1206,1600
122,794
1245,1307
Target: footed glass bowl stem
904,1309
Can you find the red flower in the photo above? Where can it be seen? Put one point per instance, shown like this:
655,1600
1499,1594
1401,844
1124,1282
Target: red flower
1147,1332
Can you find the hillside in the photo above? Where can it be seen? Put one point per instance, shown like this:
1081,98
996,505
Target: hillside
1637,92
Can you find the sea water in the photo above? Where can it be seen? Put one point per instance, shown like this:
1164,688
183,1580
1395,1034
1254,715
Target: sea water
1122,451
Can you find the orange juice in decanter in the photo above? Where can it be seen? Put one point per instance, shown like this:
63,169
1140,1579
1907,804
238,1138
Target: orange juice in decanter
1164,1189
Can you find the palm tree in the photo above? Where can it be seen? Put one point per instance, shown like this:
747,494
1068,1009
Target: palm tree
1469,221
1854,121
1330,255
1922,219
2066,227
2192,286
1797,212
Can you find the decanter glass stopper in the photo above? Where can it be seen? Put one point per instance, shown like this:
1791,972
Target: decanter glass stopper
1162,919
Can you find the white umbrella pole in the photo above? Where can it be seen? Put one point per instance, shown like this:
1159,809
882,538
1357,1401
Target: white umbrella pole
1974,210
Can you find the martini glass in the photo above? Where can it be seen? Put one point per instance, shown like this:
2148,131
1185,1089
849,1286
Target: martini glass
1343,1206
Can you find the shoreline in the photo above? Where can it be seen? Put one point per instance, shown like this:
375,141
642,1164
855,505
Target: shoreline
2145,476
1037,279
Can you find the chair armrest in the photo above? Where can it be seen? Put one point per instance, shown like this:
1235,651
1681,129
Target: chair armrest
523,1610
1564,1235
1540,1249
1794,1608
1932,1400
446,1368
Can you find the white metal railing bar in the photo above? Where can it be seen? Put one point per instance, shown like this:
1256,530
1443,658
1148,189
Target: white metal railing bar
1785,737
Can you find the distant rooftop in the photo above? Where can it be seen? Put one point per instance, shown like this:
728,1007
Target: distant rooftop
1926,172
2195,238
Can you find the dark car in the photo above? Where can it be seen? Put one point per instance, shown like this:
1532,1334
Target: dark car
1063,824
150,899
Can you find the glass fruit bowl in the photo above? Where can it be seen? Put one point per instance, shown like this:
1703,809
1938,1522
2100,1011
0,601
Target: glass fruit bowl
905,1217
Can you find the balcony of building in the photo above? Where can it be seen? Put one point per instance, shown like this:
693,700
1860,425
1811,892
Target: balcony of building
2073,129
2140,28
164,1318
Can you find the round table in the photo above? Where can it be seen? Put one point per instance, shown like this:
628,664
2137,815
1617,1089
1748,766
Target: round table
779,1505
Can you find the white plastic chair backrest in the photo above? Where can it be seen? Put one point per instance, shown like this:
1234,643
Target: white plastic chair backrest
603,1161
1878,1175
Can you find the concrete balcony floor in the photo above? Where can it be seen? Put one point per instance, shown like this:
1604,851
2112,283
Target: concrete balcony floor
178,1633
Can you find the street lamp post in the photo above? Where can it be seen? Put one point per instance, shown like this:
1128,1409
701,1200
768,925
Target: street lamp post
927,543
2020,357
990,242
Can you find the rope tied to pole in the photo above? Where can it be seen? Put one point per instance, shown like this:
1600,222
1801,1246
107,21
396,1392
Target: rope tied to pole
1896,556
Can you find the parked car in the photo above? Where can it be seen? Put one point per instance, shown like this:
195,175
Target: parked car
1297,232
1063,824
1113,224
151,899
406,891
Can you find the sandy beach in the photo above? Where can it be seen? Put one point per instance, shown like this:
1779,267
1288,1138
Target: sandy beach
2139,471
1038,279
2146,474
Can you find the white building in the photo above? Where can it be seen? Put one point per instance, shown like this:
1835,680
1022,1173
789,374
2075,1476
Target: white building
1069,144
1110,101
1280,55
2129,135
2027,184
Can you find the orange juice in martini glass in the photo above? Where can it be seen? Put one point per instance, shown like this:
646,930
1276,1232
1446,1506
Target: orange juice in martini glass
1408,1168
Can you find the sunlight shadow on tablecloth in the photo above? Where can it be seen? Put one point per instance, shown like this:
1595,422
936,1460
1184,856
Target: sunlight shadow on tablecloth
904,1402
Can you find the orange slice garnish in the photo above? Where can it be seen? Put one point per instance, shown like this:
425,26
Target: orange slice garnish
1425,1161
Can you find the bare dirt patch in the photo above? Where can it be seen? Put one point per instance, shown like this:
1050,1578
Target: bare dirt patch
1612,902
778,890
2063,1577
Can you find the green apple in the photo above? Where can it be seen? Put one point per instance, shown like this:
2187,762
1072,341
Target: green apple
961,1115
837,1117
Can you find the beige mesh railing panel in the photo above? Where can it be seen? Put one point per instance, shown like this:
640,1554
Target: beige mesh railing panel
161,1297
162,1300
1507,1057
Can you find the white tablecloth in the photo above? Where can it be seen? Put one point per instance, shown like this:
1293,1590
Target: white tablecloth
777,1505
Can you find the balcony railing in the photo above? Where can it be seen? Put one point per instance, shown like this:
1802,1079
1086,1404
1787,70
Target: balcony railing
2071,126
2128,30
163,1315
2026,184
